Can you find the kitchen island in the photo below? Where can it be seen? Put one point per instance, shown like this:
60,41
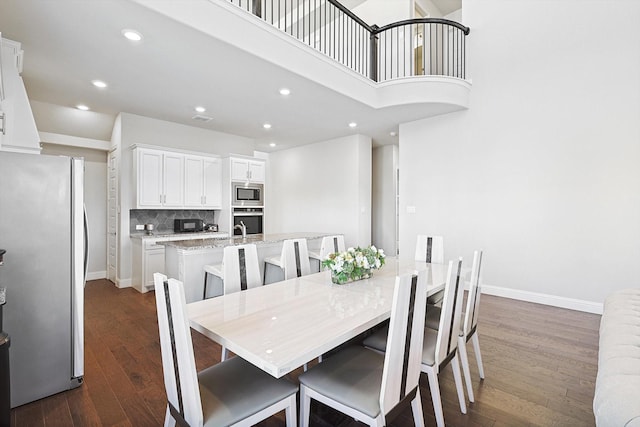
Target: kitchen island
185,259
148,253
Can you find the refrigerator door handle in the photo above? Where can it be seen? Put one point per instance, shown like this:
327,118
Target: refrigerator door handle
86,244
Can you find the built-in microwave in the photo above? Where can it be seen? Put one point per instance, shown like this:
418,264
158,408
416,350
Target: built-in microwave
247,194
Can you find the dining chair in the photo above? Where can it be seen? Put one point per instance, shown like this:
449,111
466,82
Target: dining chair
440,346
294,259
231,393
239,271
431,249
329,245
469,330
367,385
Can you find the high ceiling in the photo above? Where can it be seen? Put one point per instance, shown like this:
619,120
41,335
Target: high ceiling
69,43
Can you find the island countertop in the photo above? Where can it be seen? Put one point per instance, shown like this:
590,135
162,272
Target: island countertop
258,239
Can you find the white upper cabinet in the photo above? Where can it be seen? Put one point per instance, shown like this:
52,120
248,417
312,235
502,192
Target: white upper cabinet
212,178
203,182
247,170
149,178
173,180
168,179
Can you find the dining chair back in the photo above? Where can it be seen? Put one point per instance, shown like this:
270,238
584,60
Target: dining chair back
473,298
329,245
295,258
430,249
451,313
178,362
469,331
232,393
240,268
372,386
403,354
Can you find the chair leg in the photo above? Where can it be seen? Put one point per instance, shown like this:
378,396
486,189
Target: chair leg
169,421
457,377
434,386
290,412
416,407
464,360
305,407
476,349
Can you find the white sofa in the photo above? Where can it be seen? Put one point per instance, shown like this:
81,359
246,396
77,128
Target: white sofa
617,396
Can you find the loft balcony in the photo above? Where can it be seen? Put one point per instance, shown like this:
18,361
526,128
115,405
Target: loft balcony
413,47
400,72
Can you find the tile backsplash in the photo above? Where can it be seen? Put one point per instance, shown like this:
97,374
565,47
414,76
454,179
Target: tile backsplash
162,220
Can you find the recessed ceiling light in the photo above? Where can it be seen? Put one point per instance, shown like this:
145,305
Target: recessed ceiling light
273,144
353,124
284,91
132,35
266,126
200,109
99,84
82,107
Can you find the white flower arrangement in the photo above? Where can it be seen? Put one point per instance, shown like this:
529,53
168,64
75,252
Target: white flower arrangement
354,263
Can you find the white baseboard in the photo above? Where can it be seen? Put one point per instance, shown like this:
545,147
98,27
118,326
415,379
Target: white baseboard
123,283
95,275
553,300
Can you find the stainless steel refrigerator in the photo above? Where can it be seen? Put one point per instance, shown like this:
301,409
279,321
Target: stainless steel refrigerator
43,229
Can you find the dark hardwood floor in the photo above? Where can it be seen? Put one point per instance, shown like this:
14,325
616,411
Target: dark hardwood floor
540,364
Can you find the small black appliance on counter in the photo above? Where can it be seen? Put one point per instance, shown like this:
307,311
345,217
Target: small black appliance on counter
187,225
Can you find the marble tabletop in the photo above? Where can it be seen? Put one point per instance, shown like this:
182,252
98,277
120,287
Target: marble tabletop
258,239
281,326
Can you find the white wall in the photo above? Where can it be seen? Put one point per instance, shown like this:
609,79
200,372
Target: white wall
383,12
322,187
131,129
95,199
71,121
383,185
542,170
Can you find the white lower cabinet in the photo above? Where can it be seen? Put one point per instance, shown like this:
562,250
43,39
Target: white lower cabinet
148,257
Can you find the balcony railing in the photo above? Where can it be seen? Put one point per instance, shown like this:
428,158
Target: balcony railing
414,47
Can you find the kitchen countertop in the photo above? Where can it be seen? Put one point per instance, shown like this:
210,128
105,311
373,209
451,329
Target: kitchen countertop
172,234
258,239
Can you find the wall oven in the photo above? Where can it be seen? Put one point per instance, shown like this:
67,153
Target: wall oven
247,194
251,217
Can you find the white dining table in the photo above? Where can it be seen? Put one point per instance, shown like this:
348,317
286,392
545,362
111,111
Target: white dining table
281,326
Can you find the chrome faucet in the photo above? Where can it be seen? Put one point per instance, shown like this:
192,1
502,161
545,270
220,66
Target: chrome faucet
242,228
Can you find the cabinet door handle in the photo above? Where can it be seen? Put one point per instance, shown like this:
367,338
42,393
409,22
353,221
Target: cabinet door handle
2,127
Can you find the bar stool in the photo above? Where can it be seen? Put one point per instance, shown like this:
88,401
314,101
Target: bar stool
294,259
329,245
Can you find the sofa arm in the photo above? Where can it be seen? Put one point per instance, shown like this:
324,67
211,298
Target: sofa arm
616,401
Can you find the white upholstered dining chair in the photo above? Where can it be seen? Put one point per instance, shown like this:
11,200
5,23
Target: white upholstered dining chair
294,259
367,385
431,249
329,245
239,271
469,330
231,393
440,346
